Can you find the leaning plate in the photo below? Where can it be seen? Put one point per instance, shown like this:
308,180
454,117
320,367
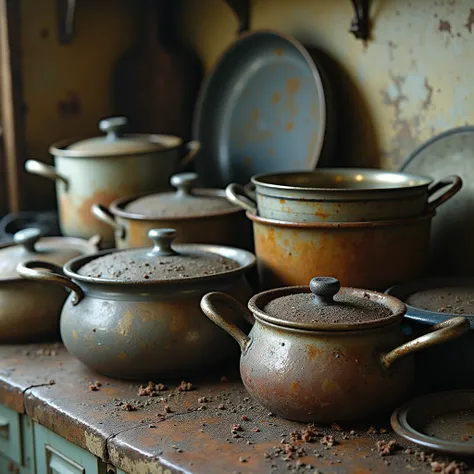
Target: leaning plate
442,421
262,109
450,153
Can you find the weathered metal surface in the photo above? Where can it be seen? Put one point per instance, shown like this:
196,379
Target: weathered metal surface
371,255
343,195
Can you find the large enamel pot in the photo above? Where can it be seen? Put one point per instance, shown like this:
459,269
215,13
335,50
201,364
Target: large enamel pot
140,327
102,169
344,370
342,195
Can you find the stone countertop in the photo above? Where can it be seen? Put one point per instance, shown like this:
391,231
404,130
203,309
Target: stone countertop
215,427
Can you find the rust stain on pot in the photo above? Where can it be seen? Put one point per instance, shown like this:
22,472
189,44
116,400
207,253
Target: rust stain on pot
470,20
289,126
293,85
279,52
323,215
255,114
276,97
313,351
101,196
70,106
444,26
282,201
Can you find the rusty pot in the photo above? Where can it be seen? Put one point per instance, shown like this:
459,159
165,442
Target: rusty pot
371,255
135,313
29,310
102,169
198,215
324,353
342,195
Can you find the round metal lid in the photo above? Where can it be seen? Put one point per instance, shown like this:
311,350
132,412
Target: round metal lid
31,245
324,305
114,142
160,263
187,201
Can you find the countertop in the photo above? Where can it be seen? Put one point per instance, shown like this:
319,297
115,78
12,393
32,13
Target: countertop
210,426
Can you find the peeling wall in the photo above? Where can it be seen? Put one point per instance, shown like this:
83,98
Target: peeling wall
411,81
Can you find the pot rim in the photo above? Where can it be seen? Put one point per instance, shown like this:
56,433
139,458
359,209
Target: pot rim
403,290
397,307
257,181
246,259
117,207
60,150
341,225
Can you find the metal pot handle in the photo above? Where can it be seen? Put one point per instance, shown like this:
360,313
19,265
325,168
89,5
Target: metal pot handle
437,334
46,171
95,242
49,272
454,183
104,215
208,306
191,149
238,195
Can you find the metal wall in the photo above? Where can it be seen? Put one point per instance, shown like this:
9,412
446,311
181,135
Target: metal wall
412,80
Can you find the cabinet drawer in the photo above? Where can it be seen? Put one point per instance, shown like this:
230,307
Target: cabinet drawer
55,455
10,434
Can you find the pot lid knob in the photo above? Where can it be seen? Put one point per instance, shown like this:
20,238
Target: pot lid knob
184,182
113,127
162,239
28,238
324,289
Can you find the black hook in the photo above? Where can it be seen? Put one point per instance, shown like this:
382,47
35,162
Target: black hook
241,9
360,22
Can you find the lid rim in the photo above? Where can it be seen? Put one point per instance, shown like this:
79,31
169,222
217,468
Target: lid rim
397,307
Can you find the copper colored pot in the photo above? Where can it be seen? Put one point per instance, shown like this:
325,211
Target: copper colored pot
371,255
324,354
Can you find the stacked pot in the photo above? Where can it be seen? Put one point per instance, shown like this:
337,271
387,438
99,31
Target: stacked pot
368,228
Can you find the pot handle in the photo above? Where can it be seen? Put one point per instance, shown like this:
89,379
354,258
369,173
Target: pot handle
454,183
95,242
191,149
437,334
208,306
46,171
104,215
238,195
49,272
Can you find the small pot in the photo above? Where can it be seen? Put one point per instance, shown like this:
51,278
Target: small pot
29,310
433,301
135,314
342,195
324,353
102,169
371,255
198,215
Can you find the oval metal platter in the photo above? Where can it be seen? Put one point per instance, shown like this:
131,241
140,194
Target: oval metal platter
451,152
262,109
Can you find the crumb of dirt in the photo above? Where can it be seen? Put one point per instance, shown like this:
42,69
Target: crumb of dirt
46,352
52,382
328,441
408,451
295,436
151,426
465,437
352,432
310,433
385,449
242,459
204,399
447,468
151,389
246,399
94,387
336,427
168,409
237,427
221,406
245,418
224,379
426,457
256,430
185,386
384,430
373,430
129,407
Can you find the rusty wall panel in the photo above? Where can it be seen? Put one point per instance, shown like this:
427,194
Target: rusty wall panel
411,81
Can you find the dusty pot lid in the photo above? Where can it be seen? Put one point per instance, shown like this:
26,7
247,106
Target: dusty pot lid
324,305
31,245
115,142
186,201
160,263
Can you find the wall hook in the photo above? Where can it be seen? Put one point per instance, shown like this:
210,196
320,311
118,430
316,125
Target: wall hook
361,21
241,9
66,11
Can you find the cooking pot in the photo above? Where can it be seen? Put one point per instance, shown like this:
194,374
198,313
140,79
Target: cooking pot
432,301
371,255
102,169
198,215
135,313
324,353
29,310
342,195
